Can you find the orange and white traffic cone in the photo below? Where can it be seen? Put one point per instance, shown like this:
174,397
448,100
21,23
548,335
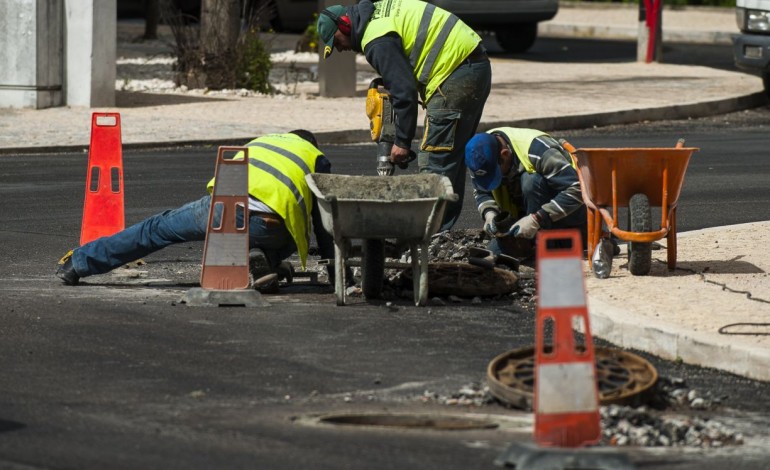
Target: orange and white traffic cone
226,250
566,399
103,211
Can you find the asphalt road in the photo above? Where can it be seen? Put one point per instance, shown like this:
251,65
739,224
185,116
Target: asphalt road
118,374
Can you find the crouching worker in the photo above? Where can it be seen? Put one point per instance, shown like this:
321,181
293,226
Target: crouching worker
523,181
281,207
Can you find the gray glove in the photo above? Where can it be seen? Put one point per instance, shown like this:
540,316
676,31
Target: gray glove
526,227
489,223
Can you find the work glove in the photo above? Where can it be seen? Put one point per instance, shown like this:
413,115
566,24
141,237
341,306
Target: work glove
489,223
526,227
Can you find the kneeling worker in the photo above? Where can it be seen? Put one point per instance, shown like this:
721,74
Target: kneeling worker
281,207
526,174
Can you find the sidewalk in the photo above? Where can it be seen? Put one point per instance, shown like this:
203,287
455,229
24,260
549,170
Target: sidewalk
722,273
621,21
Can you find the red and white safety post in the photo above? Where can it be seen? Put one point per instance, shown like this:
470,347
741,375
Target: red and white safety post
226,250
566,399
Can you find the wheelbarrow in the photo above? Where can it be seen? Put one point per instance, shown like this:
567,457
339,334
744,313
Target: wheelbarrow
407,208
636,179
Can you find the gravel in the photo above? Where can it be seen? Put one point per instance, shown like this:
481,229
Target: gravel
663,423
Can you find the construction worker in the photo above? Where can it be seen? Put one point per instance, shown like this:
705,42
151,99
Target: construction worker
419,48
281,207
523,181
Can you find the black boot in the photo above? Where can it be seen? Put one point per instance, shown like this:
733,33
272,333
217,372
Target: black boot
263,277
66,272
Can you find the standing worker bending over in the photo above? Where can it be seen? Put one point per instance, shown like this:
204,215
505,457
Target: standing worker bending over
419,48
527,174
281,207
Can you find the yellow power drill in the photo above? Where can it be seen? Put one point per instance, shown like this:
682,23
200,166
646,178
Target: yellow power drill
382,125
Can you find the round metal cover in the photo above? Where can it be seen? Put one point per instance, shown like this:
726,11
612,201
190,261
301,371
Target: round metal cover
622,378
449,423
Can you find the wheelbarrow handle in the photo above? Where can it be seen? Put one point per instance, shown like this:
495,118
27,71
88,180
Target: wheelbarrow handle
567,146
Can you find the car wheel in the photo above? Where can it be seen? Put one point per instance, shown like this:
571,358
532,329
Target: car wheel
517,37
766,81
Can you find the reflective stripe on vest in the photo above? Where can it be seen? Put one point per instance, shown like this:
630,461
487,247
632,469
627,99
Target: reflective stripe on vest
422,34
278,164
435,45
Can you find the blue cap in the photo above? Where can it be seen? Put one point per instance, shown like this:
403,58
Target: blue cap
481,155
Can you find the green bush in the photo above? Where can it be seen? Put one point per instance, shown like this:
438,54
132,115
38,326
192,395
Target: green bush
309,40
253,63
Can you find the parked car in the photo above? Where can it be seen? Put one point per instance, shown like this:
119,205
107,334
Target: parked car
514,22
751,48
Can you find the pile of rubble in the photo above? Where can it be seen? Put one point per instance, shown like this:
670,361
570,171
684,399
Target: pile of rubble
450,247
634,426
626,426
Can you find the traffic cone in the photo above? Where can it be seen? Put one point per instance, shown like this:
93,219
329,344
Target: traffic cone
103,212
566,399
226,250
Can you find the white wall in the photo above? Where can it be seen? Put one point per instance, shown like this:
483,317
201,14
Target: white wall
90,43
31,45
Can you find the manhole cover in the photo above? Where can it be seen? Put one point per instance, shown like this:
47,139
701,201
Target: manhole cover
466,280
622,378
450,423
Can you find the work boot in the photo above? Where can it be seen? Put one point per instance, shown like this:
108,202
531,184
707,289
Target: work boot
66,272
285,272
263,278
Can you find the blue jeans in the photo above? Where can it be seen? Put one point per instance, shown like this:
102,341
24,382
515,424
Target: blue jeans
184,224
451,117
535,192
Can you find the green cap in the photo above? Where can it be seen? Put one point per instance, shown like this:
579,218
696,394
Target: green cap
327,26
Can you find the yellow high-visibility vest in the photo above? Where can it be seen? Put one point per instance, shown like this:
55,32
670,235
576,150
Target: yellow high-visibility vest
521,139
434,40
278,164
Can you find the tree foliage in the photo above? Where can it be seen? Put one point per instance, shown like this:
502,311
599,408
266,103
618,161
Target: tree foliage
220,50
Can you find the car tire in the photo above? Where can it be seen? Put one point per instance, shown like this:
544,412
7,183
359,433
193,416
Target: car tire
517,37
766,81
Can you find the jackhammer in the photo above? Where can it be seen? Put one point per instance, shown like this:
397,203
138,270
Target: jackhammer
382,125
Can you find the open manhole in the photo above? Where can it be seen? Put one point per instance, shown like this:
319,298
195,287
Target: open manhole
622,378
466,280
444,423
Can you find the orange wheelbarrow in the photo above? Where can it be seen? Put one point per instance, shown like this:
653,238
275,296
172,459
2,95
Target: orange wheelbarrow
637,179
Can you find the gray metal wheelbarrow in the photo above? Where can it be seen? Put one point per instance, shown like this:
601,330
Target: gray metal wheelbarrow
408,208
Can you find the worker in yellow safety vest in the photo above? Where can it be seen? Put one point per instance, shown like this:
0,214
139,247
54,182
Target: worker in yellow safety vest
420,50
281,212
523,181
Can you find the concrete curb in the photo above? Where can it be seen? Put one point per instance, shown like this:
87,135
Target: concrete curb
684,111
619,324
612,32
622,327
358,136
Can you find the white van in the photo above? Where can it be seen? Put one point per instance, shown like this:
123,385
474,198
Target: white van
751,48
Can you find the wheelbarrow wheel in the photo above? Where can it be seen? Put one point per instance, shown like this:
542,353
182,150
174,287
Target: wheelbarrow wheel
640,220
372,268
